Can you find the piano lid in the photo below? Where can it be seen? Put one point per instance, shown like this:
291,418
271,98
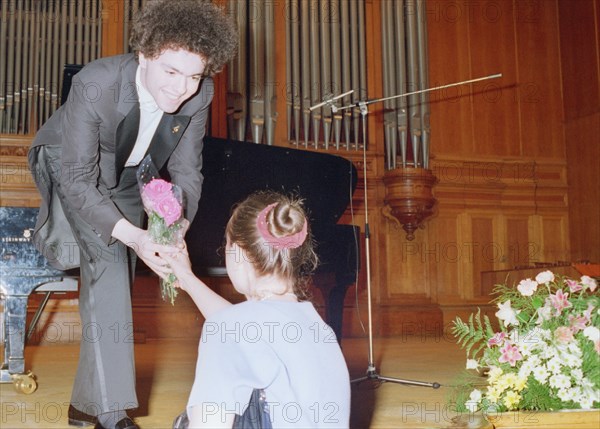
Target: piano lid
234,169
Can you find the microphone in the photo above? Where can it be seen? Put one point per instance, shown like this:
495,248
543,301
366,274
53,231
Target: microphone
330,101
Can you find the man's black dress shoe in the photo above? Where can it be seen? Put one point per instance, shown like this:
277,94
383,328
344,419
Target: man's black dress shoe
80,419
125,423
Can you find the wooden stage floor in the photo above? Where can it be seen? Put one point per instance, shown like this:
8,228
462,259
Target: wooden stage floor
165,371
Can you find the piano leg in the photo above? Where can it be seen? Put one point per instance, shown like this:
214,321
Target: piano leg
15,319
15,312
334,310
13,368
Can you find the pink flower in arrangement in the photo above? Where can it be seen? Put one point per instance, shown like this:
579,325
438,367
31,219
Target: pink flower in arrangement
169,209
158,194
162,203
560,301
588,312
510,354
578,323
497,339
156,190
574,286
563,335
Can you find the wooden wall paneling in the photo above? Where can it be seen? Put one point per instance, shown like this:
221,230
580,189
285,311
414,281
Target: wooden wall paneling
535,230
597,26
405,276
498,251
442,254
464,235
548,238
538,89
520,249
579,57
496,114
583,157
406,302
580,61
482,251
556,238
449,59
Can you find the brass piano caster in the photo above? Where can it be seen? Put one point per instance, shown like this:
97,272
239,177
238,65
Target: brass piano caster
25,383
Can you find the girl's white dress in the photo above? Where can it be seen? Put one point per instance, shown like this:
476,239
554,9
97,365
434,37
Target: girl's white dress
282,347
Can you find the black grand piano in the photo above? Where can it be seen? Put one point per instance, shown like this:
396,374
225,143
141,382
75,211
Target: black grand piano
232,170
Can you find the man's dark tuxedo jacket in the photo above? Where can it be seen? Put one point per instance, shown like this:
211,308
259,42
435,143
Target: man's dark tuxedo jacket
96,141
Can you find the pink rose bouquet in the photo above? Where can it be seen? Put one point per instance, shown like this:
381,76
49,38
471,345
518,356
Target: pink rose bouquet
543,352
163,203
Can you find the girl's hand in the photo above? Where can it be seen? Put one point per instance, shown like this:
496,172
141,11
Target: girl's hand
179,264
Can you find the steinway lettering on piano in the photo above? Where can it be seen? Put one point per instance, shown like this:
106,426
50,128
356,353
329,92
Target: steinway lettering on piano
26,237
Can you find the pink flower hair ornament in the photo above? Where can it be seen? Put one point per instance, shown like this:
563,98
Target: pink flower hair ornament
289,242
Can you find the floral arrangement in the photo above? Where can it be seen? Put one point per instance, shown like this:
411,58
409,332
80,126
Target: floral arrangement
545,355
163,204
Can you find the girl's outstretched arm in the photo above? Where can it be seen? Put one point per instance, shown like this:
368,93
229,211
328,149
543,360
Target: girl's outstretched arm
207,300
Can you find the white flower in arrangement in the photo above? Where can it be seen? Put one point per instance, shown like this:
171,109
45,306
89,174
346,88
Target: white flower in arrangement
554,365
545,354
527,287
575,350
586,402
541,374
572,360
494,373
535,361
548,352
592,333
474,399
526,369
472,364
527,343
577,374
507,314
544,277
544,334
565,394
588,282
560,381
544,314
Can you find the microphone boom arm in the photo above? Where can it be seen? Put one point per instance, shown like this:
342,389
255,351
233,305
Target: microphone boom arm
437,88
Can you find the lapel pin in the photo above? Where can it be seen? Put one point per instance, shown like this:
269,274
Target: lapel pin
175,129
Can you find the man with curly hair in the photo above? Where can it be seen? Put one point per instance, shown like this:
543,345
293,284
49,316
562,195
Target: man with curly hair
84,160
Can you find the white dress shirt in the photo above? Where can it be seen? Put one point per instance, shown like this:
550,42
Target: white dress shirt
150,116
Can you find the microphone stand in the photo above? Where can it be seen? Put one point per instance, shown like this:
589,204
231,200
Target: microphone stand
371,373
